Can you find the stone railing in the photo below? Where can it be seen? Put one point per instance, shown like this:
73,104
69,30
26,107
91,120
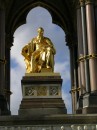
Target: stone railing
57,127
50,122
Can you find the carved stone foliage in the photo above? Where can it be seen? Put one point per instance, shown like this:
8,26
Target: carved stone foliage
82,2
42,91
29,91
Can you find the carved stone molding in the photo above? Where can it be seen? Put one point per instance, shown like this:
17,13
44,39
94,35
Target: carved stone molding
82,2
89,1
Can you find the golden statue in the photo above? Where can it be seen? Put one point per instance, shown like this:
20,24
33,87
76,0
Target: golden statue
39,54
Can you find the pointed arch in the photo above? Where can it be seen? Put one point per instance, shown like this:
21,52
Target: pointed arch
19,16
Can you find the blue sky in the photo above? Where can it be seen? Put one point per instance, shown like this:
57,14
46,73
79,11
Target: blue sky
39,17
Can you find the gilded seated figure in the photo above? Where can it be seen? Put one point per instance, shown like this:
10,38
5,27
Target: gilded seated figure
39,54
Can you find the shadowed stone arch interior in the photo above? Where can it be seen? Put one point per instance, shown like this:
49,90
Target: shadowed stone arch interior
57,12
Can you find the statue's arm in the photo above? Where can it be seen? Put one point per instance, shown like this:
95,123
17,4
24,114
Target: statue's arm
51,45
24,50
27,50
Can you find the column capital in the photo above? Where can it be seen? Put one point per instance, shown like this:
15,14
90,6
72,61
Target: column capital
89,2
9,40
82,2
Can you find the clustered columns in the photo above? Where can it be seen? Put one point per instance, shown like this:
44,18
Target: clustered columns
2,51
92,50
71,42
3,102
81,64
74,79
87,51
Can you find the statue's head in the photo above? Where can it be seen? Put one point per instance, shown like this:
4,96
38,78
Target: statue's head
40,31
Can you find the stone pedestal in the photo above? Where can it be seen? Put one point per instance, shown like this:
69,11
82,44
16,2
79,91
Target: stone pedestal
90,103
42,94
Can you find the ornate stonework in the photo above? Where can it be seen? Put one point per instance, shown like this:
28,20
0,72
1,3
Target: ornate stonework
30,91
82,2
35,91
54,90
41,91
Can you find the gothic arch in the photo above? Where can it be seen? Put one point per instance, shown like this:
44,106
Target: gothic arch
58,17
16,16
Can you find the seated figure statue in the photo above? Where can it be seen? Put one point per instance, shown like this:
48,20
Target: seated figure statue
39,53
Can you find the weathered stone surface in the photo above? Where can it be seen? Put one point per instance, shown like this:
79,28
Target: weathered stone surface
90,103
61,119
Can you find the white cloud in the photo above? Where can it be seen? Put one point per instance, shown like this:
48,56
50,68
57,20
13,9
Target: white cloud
67,101
63,68
22,36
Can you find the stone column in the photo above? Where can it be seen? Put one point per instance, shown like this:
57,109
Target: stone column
90,99
71,42
3,102
79,80
96,19
80,53
9,41
91,36
72,80
85,48
2,51
76,87
74,83
81,67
